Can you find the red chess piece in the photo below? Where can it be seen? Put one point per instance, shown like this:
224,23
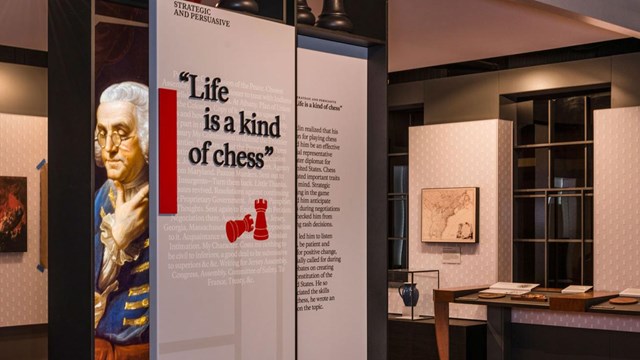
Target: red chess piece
235,228
261,232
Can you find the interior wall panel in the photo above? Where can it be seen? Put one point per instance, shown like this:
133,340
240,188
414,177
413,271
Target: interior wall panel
464,98
23,89
406,94
555,76
23,289
462,155
625,80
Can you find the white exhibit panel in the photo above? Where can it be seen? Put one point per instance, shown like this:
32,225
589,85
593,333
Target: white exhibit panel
225,262
616,224
332,201
463,155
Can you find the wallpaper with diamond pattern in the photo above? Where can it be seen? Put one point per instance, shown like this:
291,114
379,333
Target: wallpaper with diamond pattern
617,199
464,155
23,289
616,220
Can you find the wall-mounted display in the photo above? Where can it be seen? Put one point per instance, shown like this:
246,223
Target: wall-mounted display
121,218
332,200
223,186
13,214
450,215
121,147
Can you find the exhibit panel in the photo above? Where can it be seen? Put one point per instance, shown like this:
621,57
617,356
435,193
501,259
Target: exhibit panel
223,211
332,199
454,156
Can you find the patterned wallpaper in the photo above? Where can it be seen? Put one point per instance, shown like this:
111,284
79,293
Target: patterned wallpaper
577,320
617,198
464,155
23,289
616,220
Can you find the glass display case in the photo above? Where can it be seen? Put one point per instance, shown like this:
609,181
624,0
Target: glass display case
412,299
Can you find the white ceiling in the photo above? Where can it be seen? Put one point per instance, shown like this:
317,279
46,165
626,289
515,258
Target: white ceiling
421,32
434,32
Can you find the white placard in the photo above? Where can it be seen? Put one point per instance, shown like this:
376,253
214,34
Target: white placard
510,288
576,289
225,285
451,255
332,205
631,292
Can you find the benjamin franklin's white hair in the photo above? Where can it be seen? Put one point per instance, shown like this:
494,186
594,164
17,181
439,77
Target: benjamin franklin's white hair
138,95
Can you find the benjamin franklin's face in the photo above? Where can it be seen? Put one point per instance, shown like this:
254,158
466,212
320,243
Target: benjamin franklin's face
116,122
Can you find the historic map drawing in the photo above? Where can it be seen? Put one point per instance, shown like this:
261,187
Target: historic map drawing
449,215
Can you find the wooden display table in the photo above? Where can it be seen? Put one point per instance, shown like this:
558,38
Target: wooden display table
607,308
499,313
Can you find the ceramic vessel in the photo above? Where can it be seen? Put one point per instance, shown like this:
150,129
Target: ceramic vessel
409,294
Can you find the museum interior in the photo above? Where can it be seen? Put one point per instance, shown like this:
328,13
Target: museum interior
488,199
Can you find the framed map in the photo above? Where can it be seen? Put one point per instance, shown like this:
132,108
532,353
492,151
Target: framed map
450,215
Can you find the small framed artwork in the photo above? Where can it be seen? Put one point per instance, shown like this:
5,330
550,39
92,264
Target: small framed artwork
13,214
450,215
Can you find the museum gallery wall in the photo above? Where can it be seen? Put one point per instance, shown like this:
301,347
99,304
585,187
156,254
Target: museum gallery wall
23,288
615,181
616,221
462,155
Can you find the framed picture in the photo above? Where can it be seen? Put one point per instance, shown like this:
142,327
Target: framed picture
13,214
450,215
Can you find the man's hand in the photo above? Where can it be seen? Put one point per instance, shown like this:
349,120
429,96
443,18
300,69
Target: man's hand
130,216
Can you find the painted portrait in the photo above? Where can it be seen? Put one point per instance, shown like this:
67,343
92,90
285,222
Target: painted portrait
13,214
121,202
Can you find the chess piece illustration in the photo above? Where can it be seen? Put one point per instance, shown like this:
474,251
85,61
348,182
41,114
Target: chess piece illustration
235,228
261,232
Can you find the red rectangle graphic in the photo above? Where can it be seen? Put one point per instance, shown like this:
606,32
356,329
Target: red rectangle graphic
168,151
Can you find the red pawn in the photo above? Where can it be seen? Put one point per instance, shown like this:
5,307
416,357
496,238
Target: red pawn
261,232
235,228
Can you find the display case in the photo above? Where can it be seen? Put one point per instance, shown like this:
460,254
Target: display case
413,298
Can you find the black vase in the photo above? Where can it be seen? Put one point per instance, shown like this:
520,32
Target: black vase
334,17
250,6
305,16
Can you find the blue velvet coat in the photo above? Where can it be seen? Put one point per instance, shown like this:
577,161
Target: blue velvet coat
126,317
